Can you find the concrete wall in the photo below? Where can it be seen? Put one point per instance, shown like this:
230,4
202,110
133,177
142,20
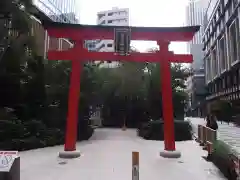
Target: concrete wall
199,87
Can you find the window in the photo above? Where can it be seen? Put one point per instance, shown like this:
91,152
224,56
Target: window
109,45
110,21
230,11
214,63
110,14
234,3
91,45
222,54
233,42
100,16
224,83
101,23
122,13
208,68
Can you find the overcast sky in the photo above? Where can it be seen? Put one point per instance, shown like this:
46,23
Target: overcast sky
154,13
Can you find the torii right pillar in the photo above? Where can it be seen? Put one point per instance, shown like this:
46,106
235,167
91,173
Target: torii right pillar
167,101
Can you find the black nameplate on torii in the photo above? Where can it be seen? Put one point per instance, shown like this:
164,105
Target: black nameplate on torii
122,38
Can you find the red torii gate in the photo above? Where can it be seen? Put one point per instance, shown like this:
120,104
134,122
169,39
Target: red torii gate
78,33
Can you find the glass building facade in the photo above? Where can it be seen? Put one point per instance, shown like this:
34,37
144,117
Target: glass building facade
58,10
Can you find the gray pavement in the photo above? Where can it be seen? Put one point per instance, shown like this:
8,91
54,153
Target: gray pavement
228,133
107,156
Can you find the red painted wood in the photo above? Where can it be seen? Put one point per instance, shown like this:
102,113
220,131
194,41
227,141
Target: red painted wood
78,54
110,56
167,105
88,34
73,100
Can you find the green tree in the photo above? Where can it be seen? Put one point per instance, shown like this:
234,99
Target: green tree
16,46
132,91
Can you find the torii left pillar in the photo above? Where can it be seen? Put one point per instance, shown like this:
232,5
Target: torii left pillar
167,104
73,101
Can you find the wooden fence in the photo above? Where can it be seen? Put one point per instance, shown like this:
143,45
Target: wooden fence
207,137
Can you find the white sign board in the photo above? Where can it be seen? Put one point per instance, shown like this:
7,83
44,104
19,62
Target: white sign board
6,160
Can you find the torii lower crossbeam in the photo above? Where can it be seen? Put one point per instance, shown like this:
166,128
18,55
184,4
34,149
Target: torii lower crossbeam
137,57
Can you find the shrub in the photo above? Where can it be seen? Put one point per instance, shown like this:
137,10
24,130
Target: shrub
222,159
15,135
53,137
85,131
153,130
11,129
22,144
28,143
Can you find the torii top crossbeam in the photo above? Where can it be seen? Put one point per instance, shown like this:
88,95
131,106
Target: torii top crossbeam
79,32
64,30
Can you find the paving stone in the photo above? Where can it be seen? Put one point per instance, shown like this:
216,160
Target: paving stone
107,156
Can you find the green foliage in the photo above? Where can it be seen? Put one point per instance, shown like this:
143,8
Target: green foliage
221,149
153,130
85,131
11,129
132,91
34,91
221,157
23,136
223,110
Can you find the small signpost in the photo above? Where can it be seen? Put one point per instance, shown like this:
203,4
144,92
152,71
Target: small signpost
9,165
122,40
135,165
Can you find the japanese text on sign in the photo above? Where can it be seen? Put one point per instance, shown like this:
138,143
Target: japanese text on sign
122,41
7,159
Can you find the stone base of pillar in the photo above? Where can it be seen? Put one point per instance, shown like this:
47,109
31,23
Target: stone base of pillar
170,154
124,128
69,154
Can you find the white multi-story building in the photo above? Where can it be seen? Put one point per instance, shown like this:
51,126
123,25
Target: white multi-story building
114,17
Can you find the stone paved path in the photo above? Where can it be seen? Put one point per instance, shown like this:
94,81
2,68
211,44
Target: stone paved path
228,133
107,156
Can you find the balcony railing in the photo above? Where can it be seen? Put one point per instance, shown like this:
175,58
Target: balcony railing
229,93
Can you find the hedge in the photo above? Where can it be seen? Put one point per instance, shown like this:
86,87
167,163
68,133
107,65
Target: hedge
17,135
221,157
153,130
85,130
